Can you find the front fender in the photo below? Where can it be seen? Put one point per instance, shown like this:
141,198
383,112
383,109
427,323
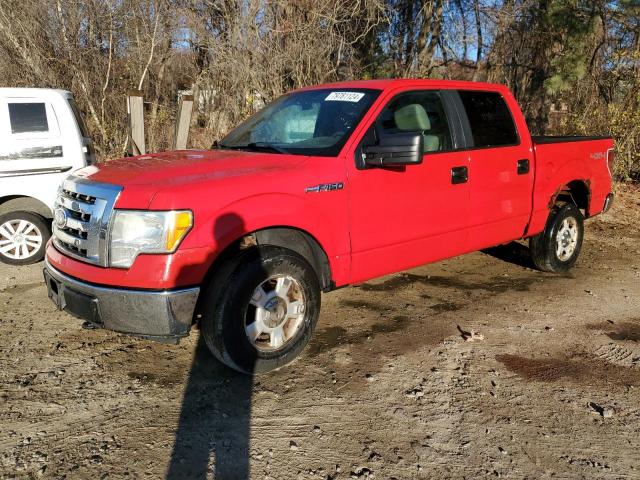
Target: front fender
324,216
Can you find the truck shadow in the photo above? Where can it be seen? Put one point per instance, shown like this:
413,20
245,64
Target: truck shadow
513,252
214,428
213,435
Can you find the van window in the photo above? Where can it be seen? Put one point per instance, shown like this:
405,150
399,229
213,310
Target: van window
490,119
79,119
28,117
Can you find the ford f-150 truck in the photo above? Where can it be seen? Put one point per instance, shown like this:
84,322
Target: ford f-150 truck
327,186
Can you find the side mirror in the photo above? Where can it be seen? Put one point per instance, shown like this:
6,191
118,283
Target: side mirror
394,150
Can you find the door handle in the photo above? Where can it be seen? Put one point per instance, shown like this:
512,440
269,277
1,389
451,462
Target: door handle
459,175
523,166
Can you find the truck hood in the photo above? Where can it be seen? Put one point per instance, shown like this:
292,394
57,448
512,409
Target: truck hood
172,169
179,173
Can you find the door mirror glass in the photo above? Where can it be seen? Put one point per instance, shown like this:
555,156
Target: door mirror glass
393,150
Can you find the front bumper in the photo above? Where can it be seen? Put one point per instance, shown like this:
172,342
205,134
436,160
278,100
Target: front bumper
160,315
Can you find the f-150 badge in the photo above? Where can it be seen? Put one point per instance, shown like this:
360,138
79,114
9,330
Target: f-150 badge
324,187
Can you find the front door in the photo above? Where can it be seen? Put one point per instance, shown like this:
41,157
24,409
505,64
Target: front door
407,216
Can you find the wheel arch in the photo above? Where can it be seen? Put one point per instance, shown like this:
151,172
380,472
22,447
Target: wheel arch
15,203
577,192
570,190
291,238
304,244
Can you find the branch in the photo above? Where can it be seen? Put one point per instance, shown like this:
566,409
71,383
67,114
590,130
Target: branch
153,47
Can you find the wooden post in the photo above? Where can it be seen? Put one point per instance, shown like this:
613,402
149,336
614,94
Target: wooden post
135,111
183,122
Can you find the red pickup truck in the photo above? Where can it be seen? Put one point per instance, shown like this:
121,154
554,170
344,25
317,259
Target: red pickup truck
327,186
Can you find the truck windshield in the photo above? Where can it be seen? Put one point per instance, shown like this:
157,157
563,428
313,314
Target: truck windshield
310,122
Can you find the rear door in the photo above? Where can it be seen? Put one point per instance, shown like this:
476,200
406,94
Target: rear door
32,141
410,215
501,169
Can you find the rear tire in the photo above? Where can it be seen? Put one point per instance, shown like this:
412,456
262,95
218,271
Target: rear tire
23,237
260,309
557,248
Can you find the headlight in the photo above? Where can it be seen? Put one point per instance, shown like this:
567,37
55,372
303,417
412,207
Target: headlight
139,231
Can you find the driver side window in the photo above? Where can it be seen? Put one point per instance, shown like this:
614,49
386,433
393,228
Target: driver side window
420,111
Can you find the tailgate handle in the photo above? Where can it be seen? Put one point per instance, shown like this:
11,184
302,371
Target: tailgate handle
459,175
523,166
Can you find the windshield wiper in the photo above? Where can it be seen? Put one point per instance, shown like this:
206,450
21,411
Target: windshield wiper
255,147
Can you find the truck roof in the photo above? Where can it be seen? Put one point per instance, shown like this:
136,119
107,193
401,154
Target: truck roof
383,84
35,92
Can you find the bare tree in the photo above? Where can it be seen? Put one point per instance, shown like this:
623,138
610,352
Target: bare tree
240,54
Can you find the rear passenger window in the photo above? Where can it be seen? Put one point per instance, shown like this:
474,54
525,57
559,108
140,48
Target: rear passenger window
28,117
490,119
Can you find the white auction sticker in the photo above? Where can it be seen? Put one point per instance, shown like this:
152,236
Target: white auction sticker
344,97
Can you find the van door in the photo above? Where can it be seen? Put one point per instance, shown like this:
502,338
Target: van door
31,138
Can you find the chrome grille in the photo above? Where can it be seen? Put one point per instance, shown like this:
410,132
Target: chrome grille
81,219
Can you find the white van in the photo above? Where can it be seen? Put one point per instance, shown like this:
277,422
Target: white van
42,140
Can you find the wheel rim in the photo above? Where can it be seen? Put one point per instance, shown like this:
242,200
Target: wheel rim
567,239
276,313
19,239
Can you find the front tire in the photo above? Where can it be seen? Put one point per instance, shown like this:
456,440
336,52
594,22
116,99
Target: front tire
557,248
23,238
260,309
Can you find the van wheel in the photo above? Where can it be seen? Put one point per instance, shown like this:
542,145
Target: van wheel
556,249
260,309
23,238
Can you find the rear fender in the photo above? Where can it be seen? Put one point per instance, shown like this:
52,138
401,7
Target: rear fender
545,199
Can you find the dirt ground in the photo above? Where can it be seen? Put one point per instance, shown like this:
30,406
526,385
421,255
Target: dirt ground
388,388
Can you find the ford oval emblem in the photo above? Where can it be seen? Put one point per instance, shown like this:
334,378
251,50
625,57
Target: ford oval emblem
60,217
